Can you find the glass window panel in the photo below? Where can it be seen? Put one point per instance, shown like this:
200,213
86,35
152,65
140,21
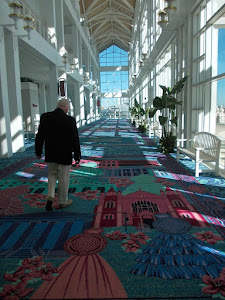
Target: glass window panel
216,5
221,51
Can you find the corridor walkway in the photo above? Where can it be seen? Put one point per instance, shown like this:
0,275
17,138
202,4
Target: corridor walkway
140,226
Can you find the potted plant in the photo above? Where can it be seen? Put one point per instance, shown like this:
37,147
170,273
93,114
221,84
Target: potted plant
133,113
167,104
141,115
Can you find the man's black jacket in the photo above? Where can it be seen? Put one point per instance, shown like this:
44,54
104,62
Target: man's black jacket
59,133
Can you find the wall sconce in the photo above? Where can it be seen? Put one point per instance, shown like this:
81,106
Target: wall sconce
163,18
15,12
170,8
141,63
76,62
29,22
72,65
65,59
86,79
144,56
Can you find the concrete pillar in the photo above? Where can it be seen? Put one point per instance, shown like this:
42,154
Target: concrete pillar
53,88
92,99
80,50
86,61
77,103
59,24
82,106
31,117
71,96
187,90
177,69
87,105
211,90
42,98
14,91
75,41
5,131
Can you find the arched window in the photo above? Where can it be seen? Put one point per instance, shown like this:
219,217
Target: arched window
114,81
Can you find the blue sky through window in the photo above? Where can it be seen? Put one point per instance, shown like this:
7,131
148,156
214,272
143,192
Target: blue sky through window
115,80
221,68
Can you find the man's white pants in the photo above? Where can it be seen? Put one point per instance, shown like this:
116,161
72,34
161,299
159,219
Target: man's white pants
62,174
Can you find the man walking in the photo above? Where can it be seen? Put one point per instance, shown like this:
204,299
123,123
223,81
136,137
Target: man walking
59,133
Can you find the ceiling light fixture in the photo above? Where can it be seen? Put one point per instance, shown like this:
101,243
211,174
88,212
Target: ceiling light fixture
65,59
163,18
144,56
15,12
171,7
29,22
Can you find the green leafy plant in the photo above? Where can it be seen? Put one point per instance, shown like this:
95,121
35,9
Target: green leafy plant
139,114
167,105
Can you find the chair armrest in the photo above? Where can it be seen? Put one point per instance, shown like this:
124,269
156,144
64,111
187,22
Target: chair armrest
200,148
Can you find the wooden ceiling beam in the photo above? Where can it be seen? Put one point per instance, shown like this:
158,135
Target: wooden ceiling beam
93,6
99,27
128,5
109,21
121,24
123,6
109,13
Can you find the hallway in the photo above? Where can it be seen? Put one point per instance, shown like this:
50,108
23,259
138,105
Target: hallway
135,212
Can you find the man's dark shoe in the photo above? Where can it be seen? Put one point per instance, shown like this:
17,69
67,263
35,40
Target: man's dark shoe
49,203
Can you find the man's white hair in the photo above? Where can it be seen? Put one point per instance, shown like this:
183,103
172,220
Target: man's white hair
63,103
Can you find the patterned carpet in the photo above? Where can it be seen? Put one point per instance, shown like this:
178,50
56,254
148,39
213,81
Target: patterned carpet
141,226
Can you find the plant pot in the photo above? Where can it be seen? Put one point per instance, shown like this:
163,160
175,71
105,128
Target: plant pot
167,144
142,128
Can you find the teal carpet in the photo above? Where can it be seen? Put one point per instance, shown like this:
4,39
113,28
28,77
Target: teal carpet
141,226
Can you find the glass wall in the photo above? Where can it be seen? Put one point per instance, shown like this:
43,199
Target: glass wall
113,76
208,66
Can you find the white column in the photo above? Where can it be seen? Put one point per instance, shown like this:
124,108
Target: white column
5,131
82,108
75,41
86,60
80,50
59,24
76,103
188,45
14,91
177,70
211,91
87,105
42,99
53,88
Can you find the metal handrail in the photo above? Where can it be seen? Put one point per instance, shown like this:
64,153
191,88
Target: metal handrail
39,25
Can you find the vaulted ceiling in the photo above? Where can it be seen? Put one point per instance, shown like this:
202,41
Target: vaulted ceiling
109,21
